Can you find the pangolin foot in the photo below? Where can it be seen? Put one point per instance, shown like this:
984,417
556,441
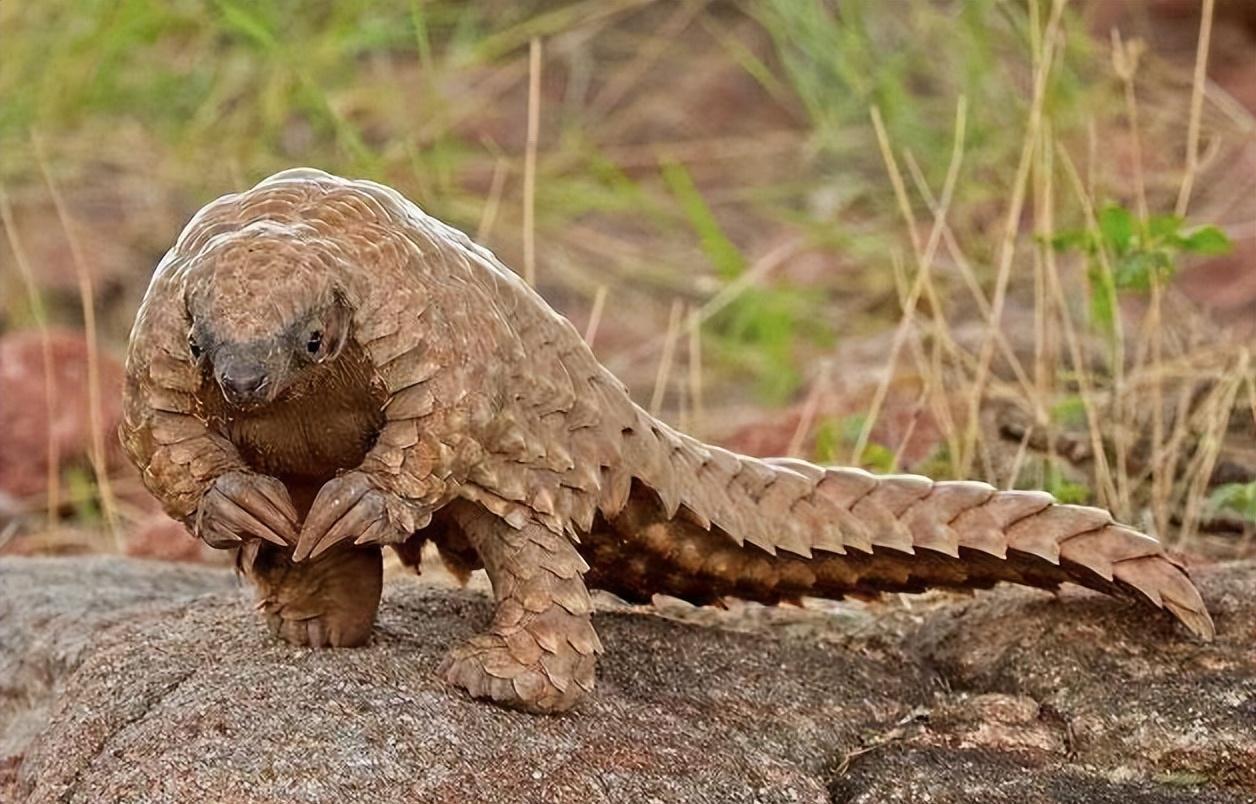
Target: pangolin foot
335,630
329,602
519,676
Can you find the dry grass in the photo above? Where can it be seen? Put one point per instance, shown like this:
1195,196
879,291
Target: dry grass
94,391
53,481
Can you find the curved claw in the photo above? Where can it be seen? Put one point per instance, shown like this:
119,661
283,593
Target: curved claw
217,537
241,505
276,493
375,533
352,508
230,518
367,513
335,501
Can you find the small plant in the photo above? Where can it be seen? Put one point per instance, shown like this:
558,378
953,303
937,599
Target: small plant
1070,411
83,494
835,438
1065,490
828,441
1125,253
1237,498
758,328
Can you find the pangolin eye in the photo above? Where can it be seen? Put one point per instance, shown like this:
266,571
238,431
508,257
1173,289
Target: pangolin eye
315,342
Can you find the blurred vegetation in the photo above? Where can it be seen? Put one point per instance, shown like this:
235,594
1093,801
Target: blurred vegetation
711,167
1238,498
1125,253
251,87
223,93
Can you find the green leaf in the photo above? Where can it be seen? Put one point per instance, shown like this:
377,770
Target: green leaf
877,457
828,440
246,23
1239,498
1135,271
833,435
1069,411
1072,240
1116,228
852,426
1207,240
1164,227
1102,299
80,484
723,254
1063,489
1069,493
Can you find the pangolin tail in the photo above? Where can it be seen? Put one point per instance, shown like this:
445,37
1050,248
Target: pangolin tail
844,532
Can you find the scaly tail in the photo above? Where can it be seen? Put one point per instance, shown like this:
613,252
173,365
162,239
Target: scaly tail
779,529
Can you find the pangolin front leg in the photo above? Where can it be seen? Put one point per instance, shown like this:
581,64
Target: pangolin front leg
538,655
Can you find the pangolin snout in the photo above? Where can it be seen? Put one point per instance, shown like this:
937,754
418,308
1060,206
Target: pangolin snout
243,382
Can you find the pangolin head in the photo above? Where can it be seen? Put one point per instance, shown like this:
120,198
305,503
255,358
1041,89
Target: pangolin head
266,316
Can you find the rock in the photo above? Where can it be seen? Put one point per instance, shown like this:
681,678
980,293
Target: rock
27,418
43,439
1092,705
160,537
1138,700
53,614
126,680
194,701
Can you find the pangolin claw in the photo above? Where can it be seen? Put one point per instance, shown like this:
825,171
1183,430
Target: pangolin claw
242,505
349,508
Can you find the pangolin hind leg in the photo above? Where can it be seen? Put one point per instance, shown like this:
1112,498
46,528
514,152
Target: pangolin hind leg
539,652
328,601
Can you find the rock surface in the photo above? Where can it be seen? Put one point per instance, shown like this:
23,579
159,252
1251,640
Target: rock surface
124,680
29,413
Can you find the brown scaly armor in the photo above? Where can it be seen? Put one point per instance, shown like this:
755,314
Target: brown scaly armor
320,369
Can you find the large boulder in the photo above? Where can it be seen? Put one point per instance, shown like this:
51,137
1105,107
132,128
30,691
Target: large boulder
51,420
123,680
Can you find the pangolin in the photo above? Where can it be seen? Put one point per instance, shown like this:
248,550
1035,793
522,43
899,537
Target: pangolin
319,369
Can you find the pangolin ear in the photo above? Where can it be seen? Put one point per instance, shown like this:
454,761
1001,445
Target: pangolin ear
337,324
196,340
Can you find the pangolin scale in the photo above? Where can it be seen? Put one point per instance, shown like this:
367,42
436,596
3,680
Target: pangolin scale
320,369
